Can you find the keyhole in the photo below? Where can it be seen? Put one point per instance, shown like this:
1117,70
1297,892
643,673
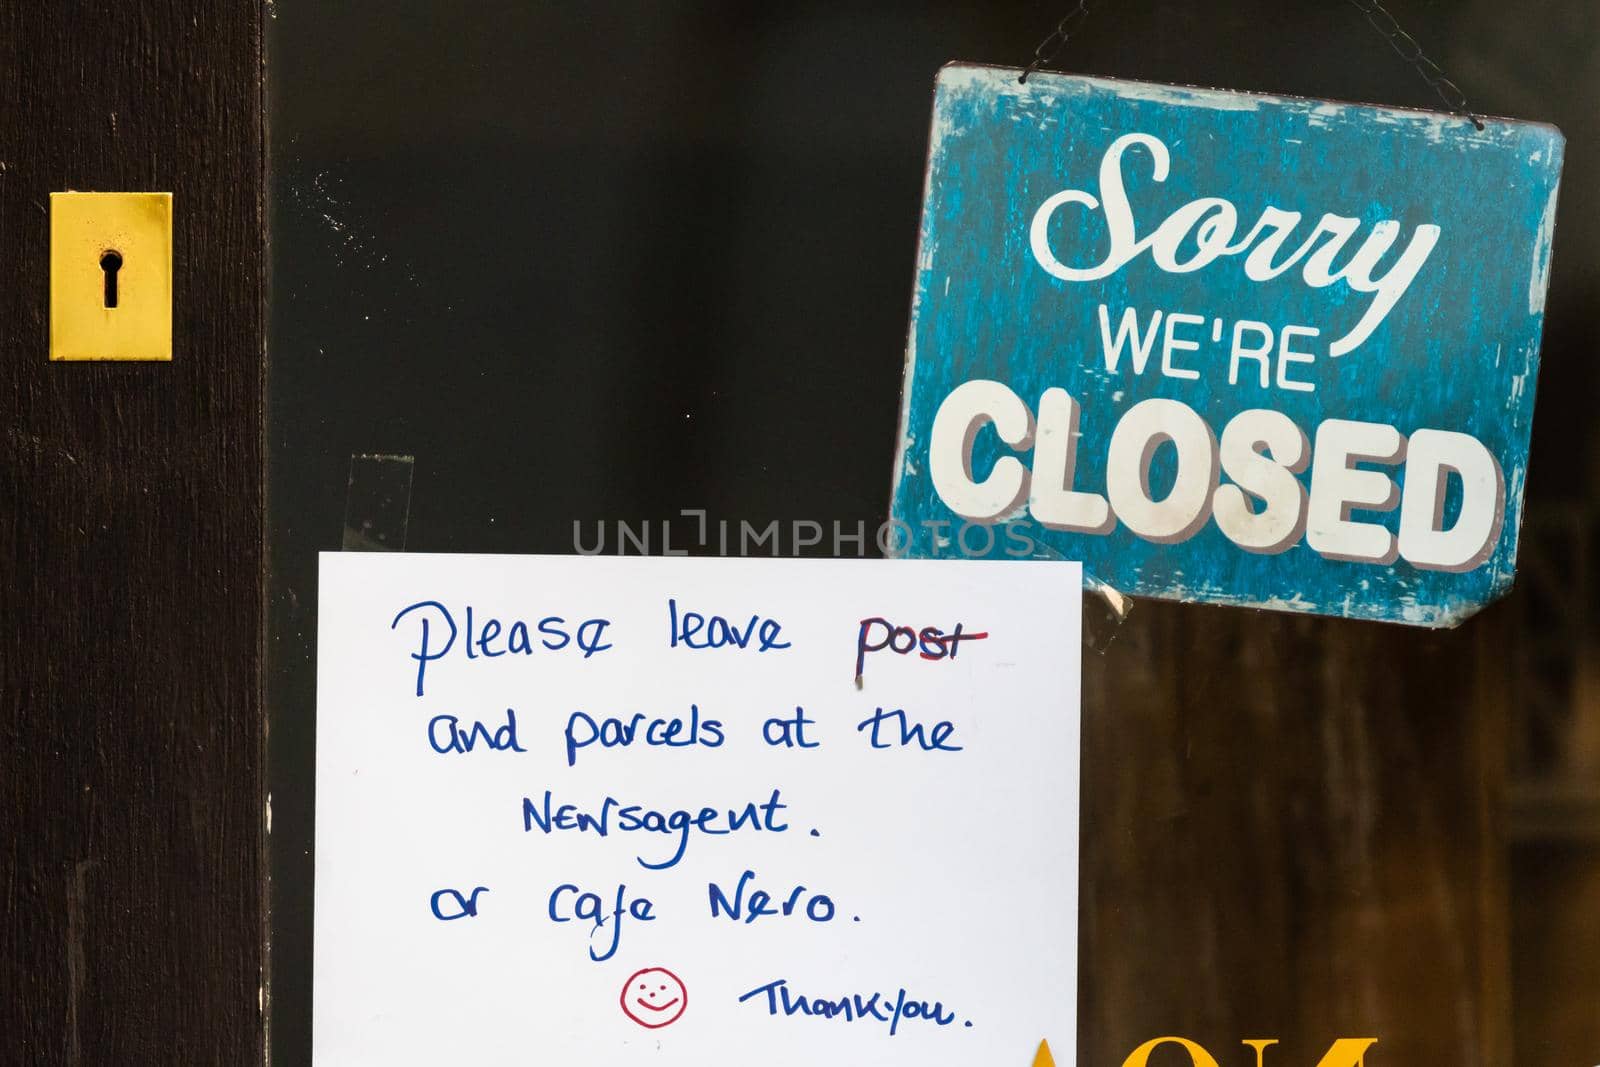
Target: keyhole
111,262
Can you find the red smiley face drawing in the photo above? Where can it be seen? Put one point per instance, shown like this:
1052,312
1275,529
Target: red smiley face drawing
654,997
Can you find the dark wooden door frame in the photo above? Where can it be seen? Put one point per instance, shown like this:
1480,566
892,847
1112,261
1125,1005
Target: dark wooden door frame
131,507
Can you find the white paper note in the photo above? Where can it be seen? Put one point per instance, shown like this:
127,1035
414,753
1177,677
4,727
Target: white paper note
596,812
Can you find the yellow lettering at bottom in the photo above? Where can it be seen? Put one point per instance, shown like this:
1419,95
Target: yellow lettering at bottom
1140,1057
1345,1052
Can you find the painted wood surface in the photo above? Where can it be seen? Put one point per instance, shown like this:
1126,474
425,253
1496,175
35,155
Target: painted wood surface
1392,264
131,840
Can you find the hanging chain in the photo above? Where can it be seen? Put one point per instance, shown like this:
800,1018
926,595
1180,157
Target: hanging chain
1404,45
1056,40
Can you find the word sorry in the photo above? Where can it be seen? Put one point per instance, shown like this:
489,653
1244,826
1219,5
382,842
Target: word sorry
1210,222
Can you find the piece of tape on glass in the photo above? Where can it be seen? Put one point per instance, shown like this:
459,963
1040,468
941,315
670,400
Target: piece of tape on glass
377,503
1104,611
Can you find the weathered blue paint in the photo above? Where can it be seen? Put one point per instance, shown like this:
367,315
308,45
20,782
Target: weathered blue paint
1459,351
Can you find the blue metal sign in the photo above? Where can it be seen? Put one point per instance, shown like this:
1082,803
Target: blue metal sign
1226,347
